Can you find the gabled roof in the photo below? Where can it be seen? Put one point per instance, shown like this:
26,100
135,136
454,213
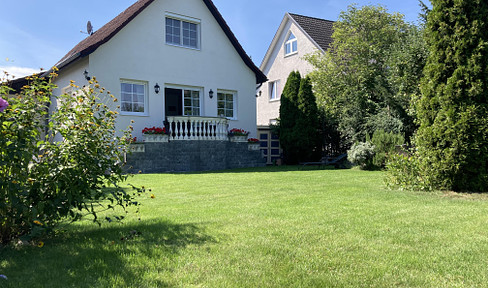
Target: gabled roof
319,31
104,34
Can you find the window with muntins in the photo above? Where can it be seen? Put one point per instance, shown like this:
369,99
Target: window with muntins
133,97
226,104
191,102
182,33
291,44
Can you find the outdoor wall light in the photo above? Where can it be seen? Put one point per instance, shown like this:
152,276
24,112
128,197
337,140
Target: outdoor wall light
86,75
210,94
259,94
157,88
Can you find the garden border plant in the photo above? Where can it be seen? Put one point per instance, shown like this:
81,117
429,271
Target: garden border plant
59,163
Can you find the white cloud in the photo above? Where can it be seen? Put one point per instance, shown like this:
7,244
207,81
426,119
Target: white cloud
17,72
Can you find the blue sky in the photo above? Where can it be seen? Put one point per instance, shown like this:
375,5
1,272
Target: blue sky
35,34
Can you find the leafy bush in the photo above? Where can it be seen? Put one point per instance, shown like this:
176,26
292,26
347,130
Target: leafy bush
362,154
42,181
385,145
403,172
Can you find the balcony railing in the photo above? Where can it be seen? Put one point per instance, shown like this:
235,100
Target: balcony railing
197,128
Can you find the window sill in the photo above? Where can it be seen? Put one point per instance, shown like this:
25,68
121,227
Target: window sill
274,100
181,46
134,114
291,54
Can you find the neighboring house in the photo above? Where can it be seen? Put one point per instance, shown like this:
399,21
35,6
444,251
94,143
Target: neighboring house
296,37
175,62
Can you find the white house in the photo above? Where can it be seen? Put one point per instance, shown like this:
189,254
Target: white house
185,48
174,62
296,37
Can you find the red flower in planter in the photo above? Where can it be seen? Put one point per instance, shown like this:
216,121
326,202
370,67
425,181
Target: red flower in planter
252,140
238,132
154,130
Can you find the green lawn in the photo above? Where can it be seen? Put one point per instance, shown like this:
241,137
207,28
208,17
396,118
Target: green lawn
269,227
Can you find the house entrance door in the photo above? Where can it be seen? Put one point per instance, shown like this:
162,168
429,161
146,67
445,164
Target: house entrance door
173,105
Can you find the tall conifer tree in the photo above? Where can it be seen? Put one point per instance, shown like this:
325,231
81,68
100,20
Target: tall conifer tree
452,141
307,124
288,117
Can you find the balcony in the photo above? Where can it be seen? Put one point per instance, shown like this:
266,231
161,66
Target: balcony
197,128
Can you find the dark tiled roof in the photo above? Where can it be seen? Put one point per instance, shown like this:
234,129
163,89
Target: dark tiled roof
319,29
104,34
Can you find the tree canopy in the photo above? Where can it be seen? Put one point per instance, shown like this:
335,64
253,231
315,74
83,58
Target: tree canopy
365,79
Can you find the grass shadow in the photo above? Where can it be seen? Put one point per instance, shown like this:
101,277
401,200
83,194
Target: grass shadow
88,256
267,169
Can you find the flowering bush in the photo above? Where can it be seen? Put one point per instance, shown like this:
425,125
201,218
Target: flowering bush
154,131
238,132
43,181
252,140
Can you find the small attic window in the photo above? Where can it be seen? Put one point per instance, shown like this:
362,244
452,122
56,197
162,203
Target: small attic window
291,45
182,31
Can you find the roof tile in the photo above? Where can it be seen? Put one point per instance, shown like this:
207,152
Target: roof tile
319,29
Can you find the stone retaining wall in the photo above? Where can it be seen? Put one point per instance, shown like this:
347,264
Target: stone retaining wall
188,156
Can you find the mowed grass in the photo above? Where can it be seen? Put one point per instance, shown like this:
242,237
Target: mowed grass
269,227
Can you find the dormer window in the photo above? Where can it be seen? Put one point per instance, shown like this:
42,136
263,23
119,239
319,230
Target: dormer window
182,31
291,45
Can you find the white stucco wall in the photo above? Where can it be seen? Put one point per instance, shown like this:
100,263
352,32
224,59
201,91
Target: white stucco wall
139,52
279,66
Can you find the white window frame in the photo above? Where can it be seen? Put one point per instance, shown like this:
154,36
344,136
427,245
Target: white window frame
192,107
146,97
188,88
182,19
273,90
291,43
234,102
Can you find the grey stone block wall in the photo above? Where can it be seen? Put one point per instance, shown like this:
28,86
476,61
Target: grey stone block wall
188,156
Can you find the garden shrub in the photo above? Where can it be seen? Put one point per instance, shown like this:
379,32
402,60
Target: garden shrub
403,172
42,181
362,154
385,144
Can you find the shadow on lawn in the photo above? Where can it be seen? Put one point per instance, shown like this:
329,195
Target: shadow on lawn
91,257
267,169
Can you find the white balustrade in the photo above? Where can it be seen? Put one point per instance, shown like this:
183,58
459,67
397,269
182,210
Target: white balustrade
197,128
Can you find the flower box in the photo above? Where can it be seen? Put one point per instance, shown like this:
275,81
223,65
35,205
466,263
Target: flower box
137,148
151,138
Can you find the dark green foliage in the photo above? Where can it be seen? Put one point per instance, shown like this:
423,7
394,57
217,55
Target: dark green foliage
299,121
406,61
452,140
385,145
288,115
307,124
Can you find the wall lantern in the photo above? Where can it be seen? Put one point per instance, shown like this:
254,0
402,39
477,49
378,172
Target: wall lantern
86,75
210,94
259,94
157,88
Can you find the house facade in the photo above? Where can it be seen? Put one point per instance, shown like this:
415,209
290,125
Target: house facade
172,63
296,37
